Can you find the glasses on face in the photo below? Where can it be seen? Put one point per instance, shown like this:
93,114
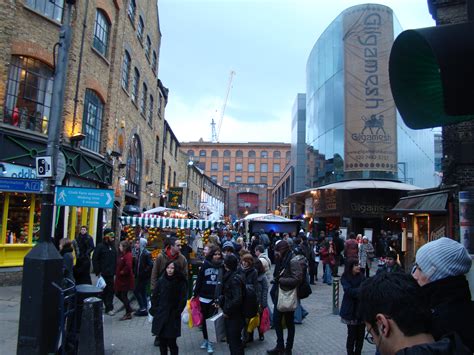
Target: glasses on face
369,337
415,267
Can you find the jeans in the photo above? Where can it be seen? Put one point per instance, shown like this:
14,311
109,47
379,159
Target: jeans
166,343
355,339
327,276
233,331
290,325
300,313
140,293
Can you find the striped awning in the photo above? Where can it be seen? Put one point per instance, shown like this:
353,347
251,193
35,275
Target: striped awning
169,222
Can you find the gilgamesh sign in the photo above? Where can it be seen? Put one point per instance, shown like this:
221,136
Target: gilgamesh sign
370,116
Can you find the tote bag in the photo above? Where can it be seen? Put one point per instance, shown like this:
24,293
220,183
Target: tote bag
287,300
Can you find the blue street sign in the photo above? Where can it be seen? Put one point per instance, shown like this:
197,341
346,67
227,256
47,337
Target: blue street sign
21,185
84,197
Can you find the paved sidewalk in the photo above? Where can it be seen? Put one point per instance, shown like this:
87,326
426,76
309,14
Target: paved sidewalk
321,331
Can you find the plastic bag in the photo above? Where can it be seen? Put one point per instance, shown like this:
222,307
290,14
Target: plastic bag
190,318
150,317
265,321
101,283
196,312
185,316
253,323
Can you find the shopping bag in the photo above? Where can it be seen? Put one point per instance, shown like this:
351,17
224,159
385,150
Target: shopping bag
185,316
215,328
264,321
101,283
150,317
253,323
190,318
196,312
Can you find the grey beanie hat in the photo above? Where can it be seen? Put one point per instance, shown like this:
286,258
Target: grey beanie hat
443,258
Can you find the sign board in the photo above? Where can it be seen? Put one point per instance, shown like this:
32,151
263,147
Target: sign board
21,185
44,167
60,168
183,184
84,197
15,171
175,197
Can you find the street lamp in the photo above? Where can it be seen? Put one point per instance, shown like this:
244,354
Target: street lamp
43,265
190,164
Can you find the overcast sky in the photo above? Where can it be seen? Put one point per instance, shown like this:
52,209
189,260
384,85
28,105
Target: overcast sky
266,43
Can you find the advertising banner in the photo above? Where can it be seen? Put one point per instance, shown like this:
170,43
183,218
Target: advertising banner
466,219
175,197
370,115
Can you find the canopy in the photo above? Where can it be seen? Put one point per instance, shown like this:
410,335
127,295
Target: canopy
169,222
431,203
267,217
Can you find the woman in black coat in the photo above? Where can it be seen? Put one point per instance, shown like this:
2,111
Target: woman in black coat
351,280
167,302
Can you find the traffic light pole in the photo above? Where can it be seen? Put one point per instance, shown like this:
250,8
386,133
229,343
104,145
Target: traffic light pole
43,265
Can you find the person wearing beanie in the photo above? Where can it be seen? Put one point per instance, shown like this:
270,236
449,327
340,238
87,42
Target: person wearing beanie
440,270
142,266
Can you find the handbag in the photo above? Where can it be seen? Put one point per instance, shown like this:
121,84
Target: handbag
287,300
215,328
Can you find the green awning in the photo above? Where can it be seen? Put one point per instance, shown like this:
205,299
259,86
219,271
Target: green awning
169,222
431,203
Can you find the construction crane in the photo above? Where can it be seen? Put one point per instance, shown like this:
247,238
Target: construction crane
215,133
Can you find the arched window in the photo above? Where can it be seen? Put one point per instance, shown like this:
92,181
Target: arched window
277,154
147,47
202,153
190,153
101,33
251,153
28,95
51,9
140,29
226,153
150,109
135,85
126,70
153,62
144,100
263,154
134,166
214,153
92,120
132,10
239,154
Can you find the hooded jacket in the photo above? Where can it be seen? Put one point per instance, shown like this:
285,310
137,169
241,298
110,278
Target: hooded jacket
207,279
143,263
231,301
160,264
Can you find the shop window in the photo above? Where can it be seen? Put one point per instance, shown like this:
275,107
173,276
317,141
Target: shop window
92,120
132,10
126,70
51,9
21,209
135,85
101,33
28,94
134,166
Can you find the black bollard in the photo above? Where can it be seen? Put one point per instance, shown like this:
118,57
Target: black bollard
91,336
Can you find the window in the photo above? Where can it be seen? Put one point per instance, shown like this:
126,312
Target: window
214,178
226,153
160,101
275,180
226,179
136,82
251,167
288,155
251,153
92,120
276,168
264,168
202,153
190,153
238,179
144,99
147,47
153,62
101,33
263,179
140,29
126,70
132,10
239,154
150,109
29,92
214,166
174,178
238,166
251,179
157,149
176,151
201,165
53,10
214,153
263,154
277,154
226,166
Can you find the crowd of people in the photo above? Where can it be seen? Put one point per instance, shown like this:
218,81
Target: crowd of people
398,312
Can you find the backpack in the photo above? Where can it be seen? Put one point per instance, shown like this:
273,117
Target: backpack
304,288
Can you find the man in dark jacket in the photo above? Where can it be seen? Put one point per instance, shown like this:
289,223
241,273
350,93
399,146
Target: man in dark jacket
288,275
104,262
142,266
231,303
83,246
398,320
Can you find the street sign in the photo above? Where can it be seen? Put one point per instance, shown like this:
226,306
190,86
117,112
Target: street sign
15,171
21,185
43,167
84,197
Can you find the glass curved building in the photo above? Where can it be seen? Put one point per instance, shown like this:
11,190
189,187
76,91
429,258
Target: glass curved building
353,130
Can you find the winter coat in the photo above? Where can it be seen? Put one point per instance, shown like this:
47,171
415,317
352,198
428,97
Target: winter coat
68,263
142,265
231,300
290,273
262,290
167,303
251,296
350,301
160,264
351,249
267,265
124,280
365,249
326,256
104,260
83,246
207,280
452,308
448,345
395,268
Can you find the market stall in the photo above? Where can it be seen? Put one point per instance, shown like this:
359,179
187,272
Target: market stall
269,222
180,223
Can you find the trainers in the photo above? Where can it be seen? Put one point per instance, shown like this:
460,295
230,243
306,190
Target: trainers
210,348
204,344
110,313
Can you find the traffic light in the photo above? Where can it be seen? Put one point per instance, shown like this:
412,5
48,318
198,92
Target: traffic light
432,75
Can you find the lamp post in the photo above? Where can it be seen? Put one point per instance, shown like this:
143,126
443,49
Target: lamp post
43,265
190,164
